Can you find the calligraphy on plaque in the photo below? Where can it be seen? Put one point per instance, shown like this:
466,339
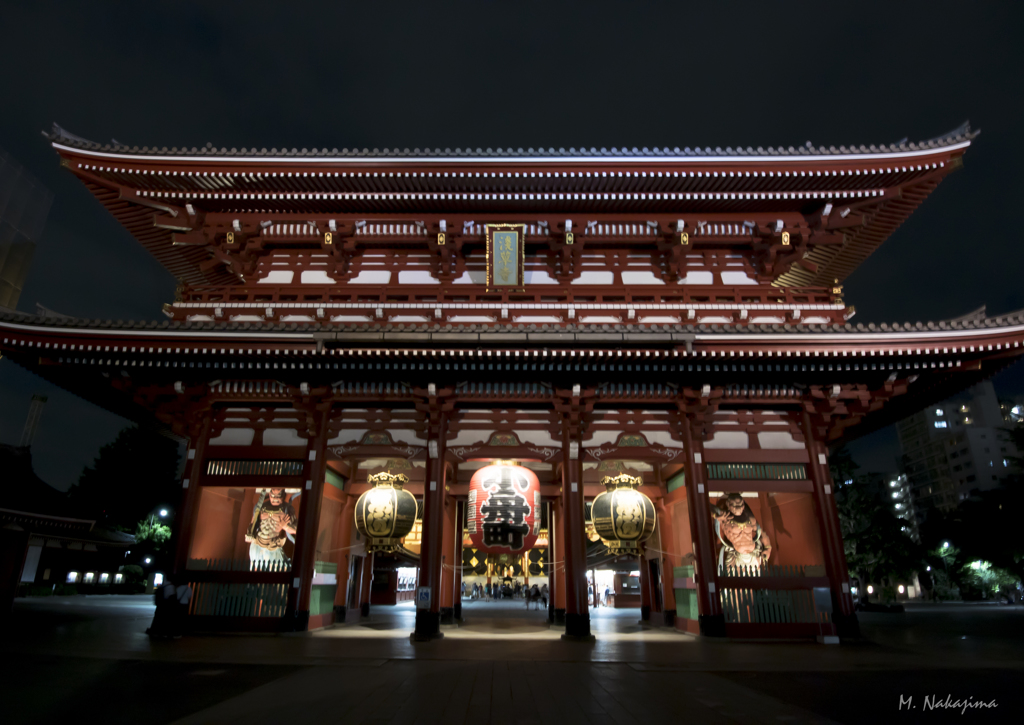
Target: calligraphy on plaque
505,257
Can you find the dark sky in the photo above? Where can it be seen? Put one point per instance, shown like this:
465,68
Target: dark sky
482,74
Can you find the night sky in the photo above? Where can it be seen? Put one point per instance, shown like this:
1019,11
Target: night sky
488,74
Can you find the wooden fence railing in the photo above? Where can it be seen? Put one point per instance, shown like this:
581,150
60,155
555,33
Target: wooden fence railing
238,565
757,471
254,468
771,606
774,570
238,600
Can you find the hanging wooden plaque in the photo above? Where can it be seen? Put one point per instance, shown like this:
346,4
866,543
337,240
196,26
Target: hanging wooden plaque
505,257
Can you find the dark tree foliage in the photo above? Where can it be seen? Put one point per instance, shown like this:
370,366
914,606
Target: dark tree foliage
876,547
842,466
984,527
131,476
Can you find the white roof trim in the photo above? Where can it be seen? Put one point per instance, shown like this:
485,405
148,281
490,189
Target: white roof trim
455,160
811,338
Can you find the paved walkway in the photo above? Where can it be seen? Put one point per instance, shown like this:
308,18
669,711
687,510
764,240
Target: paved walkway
504,665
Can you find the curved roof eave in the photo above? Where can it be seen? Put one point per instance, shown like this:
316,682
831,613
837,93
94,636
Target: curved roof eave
954,140
448,160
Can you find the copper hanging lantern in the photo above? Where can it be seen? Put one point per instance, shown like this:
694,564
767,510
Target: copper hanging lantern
623,517
385,513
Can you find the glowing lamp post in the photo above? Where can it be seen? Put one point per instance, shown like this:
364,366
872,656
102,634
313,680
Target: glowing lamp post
385,513
623,517
504,509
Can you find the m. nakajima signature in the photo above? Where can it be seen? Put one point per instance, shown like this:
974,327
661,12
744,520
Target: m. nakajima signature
936,702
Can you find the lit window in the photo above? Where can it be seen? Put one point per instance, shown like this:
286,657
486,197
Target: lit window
89,576
72,577
118,578
938,411
158,579
104,578
940,424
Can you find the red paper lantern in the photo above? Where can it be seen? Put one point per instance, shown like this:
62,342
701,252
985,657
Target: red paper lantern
504,509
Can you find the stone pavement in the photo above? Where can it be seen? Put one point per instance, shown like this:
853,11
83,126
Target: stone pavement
505,665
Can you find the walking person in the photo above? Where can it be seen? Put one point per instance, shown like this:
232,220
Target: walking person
164,598
179,608
534,596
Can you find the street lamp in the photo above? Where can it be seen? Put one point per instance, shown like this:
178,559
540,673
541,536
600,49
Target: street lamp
163,513
148,560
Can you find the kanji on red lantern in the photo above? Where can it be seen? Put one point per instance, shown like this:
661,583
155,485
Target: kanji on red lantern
504,509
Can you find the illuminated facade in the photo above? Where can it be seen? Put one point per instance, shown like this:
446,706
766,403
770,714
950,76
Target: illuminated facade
675,315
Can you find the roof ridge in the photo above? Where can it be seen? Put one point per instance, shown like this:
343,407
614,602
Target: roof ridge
962,133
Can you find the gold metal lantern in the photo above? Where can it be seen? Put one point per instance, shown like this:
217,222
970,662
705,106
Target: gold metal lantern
623,517
385,513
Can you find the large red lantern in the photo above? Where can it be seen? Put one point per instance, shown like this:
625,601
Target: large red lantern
504,509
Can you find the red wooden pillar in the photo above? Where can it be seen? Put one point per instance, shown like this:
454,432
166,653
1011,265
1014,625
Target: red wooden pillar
577,613
646,600
428,619
365,583
710,618
448,595
345,523
191,483
556,565
844,614
668,560
460,533
309,525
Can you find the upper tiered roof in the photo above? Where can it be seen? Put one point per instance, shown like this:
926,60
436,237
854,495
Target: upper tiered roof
878,185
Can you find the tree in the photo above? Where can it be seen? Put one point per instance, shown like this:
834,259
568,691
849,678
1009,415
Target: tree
131,476
876,547
842,467
984,527
151,538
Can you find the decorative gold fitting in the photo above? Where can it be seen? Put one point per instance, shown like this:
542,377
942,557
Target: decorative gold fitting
65,164
386,478
328,238
785,239
568,237
440,239
231,237
684,238
622,481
